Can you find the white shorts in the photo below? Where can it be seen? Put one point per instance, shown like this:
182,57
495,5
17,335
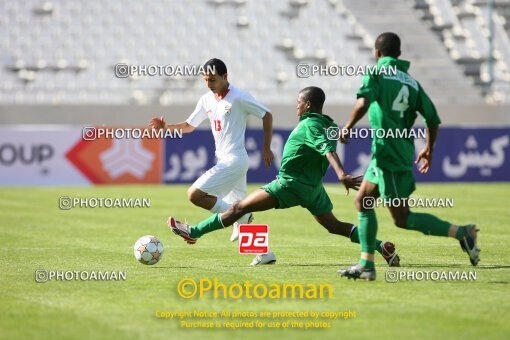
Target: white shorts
227,179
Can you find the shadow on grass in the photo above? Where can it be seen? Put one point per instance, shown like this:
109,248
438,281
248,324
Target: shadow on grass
259,266
430,265
454,266
409,266
492,267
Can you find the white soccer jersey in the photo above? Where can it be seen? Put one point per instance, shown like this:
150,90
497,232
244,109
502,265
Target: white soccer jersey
228,119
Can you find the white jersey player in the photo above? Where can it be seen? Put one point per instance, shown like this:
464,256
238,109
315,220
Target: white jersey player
227,109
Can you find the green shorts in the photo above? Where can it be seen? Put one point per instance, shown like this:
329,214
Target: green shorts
290,193
398,184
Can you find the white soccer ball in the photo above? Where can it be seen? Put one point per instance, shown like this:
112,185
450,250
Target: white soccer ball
148,250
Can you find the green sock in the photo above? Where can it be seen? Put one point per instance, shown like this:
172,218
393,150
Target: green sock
367,232
206,226
461,232
427,224
366,264
355,239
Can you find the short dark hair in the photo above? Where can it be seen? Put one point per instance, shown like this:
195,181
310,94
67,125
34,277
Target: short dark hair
389,44
219,66
315,95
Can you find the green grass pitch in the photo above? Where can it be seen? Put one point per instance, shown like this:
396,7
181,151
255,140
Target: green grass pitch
35,235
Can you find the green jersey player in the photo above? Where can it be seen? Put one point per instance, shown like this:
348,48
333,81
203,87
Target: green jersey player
393,101
306,156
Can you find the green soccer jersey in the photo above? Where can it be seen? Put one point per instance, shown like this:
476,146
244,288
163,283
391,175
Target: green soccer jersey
395,99
304,153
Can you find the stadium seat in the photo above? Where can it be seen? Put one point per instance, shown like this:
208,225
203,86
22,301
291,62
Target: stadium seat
73,46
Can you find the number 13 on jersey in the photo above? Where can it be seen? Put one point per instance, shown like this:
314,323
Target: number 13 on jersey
217,125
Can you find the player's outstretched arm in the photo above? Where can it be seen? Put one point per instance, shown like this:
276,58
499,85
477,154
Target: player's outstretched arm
159,124
350,182
359,110
267,125
425,155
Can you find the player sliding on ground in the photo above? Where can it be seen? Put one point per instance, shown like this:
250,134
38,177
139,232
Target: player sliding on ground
306,157
393,102
227,108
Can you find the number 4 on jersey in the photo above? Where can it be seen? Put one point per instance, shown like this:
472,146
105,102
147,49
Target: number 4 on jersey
400,104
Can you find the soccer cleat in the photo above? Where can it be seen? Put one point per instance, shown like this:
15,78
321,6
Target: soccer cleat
389,254
181,229
358,272
469,245
268,258
235,228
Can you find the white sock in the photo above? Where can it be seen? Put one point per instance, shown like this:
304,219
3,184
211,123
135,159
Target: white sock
220,206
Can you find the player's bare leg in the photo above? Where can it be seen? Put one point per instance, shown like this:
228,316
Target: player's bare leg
431,225
349,230
237,193
214,204
201,198
365,269
258,200
333,225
